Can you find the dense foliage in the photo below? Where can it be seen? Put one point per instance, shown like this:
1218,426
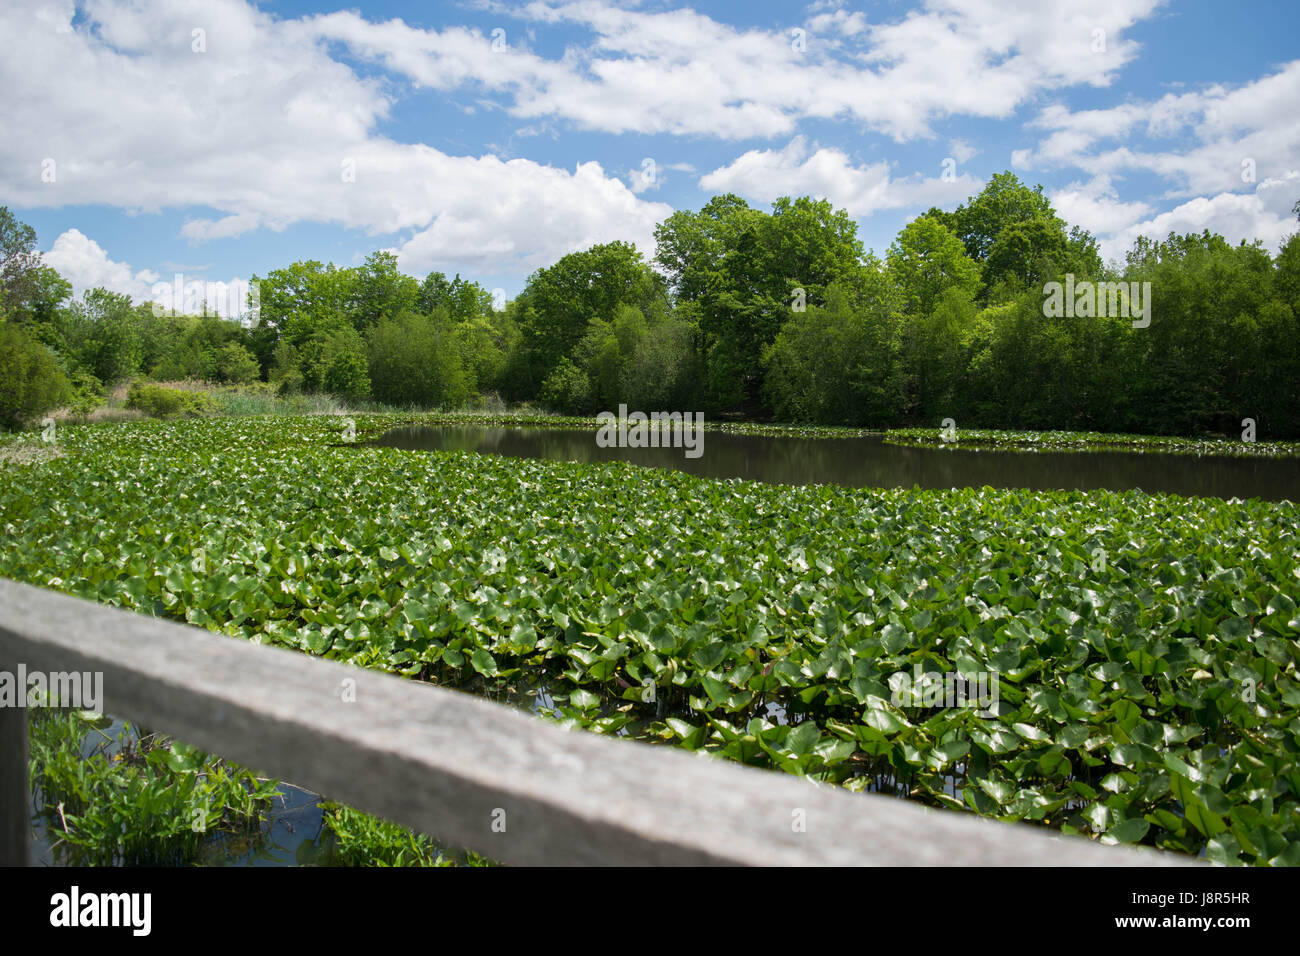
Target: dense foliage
1146,645
764,314
135,800
30,379
161,402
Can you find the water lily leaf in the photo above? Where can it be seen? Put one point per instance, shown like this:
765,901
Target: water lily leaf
1130,831
483,662
802,738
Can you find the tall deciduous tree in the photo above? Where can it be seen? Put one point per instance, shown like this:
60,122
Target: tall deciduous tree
746,272
926,261
19,261
380,291
559,302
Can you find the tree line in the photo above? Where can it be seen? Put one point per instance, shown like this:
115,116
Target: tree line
743,312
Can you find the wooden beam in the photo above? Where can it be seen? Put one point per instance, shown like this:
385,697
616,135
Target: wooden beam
15,794
489,777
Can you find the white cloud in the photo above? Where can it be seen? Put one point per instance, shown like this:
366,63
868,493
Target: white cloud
85,264
259,131
1264,214
1096,206
848,23
526,216
1255,122
961,150
829,173
681,72
259,128
1232,155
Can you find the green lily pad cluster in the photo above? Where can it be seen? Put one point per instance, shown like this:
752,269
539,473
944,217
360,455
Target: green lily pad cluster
1145,646
379,423
1088,441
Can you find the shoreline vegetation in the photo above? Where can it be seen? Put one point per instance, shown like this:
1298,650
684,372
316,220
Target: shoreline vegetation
199,399
997,313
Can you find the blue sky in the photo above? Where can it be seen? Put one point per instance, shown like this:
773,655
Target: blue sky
221,139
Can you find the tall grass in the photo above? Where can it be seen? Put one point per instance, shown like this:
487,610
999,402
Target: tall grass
262,398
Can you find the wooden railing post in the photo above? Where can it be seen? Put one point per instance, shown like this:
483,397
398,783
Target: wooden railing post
15,797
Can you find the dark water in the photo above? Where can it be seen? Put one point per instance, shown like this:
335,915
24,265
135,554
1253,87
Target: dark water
868,462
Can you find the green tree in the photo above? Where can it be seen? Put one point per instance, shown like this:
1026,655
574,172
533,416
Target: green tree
567,389
102,332
837,363
926,260
30,380
19,261
335,345
1203,345
347,374
44,292
380,291
558,302
309,291
1004,200
297,302
660,367
415,360
747,271
464,300
1287,265
236,364
486,343
1026,254
936,348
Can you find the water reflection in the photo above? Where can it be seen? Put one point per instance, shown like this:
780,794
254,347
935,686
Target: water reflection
868,462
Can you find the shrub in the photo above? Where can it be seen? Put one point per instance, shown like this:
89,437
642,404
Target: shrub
86,392
290,381
30,380
347,376
567,389
236,364
415,360
163,402
331,359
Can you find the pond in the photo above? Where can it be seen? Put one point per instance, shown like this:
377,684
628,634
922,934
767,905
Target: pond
869,462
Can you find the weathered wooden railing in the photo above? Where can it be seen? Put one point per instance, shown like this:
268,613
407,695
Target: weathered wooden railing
470,772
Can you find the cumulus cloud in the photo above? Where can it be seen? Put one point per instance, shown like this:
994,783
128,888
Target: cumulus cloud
85,264
274,124
267,130
495,216
1239,136
961,150
681,72
1229,153
1263,214
1095,205
799,169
